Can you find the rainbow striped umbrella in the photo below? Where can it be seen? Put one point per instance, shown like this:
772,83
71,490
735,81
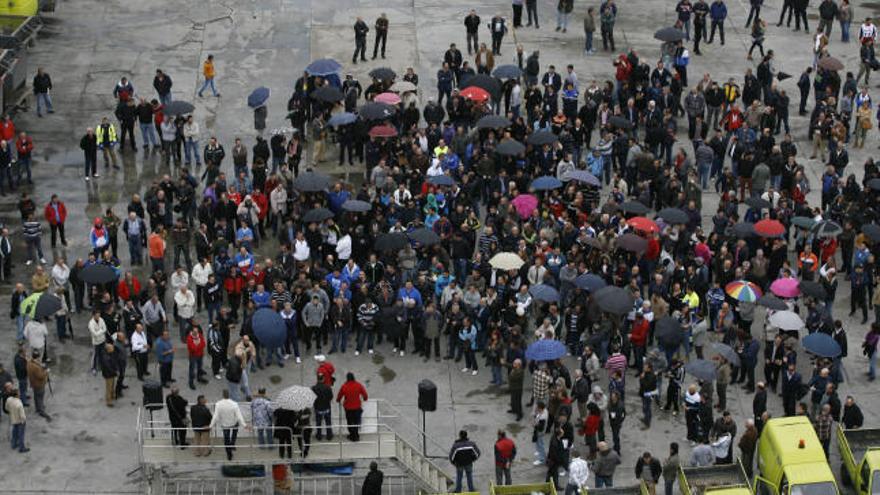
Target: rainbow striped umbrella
743,290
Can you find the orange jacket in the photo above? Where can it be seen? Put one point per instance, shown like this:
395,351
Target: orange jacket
156,246
208,70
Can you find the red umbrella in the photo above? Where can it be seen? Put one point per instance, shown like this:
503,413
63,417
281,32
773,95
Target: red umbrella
383,131
475,93
769,228
643,224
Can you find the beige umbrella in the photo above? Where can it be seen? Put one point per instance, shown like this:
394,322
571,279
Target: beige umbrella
403,87
506,261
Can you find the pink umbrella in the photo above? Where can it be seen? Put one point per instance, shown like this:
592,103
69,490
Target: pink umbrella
525,204
785,287
387,98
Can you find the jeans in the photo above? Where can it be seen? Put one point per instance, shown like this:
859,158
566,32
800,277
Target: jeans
24,166
844,31
872,365
135,250
148,133
264,437
705,172
44,99
473,39
323,416
90,165
340,339
165,372
646,409
466,470
588,45
192,146
195,370
604,481
502,476
34,248
496,375
668,484
562,19
165,99
22,391
229,437
572,489
18,437
19,328
539,447
364,335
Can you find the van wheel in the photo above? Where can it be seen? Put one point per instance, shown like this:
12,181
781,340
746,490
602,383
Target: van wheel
844,475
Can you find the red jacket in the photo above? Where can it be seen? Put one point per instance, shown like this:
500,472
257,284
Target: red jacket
327,370
351,394
505,452
49,213
195,349
591,424
24,146
234,285
125,292
639,333
7,131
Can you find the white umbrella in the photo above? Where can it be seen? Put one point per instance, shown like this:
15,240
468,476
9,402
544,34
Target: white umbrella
403,87
295,398
506,261
786,320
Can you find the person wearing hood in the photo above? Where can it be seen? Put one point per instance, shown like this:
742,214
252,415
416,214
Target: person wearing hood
98,237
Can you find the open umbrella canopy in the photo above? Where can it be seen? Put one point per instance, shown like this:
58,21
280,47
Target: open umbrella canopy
643,224
510,147
668,332
785,288
770,301
311,181
525,204
759,203
812,289
403,87
383,74
831,63
506,261
317,215
493,122
803,222
383,131
258,97
342,118
545,350
743,290
475,93
178,107
769,228
822,344
323,67
387,98
295,398
786,320
441,180
673,215
488,83
546,183
669,34
540,138
269,328
872,230
634,207
743,230
827,228
614,300
544,292
701,369
328,94
590,282
583,177
424,236
377,111
874,184
726,352
390,242
507,71
98,274
356,205
620,122
47,305
631,242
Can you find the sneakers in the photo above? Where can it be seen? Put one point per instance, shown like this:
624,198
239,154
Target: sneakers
43,261
96,175
402,353
28,263
537,463
357,353
474,373
370,351
218,377
394,350
298,360
465,370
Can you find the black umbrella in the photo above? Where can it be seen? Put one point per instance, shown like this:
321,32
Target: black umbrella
47,305
377,111
614,300
509,147
390,242
782,76
98,274
759,203
489,83
329,94
507,71
669,34
872,230
827,228
770,301
310,181
744,229
383,74
668,332
541,138
874,183
620,122
812,289
590,282
673,215
726,352
424,236
632,243
701,369
178,107
357,205
441,180
317,215
493,122
634,207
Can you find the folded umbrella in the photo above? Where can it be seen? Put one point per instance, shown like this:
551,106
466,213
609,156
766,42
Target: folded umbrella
643,224
614,300
441,180
786,320
726,352
357,206
525,204
328,94
510,147
583,177
98,274
769,228
323,67
669,34
47,305
383,131
759,203
424,236
743,229
506,261
387,98
770,301
383,74
377,111
785,287
782,76
295,398
390,242
634,207
812,289
827,228
673,215
269,327
544,292
493,122
632,243
488,83
822,344
620,122
872,230
258,97
317,215
178,107
546,183
545,350
403,87
507,71
540,138
701,369
743,290
475,93
668,332
590,282
341,118
803,222
311,181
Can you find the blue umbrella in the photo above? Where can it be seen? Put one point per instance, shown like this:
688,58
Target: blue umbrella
544,292
342,118
545,350
258,97
590,282
441,180
269,328
357,205
821,344
507,71
323,67
583,176
546,183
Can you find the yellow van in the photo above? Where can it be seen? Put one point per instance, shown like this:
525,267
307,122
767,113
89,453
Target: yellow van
860,459
721,479
791,460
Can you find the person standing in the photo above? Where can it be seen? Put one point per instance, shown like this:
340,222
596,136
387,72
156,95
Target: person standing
532,11
200,416
210,74
109,372
647,391
55,213
261,418
38,377
135,230
381,34
717,13
505,453
162,84
351,395
126,114
462,455
701,12
648,469
185,301
607,17
605,465
165,358
5,255
195,346
747,443
515,380
670,468
105,136
754,10
24,147
42,85
18,419
145,113
589,29
578,474
373,482
227,415
563,11
791,389
140,350
498,28
360,40
472,28
89,145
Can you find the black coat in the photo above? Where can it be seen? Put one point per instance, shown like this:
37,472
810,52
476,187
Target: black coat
200,416
176,410
373,483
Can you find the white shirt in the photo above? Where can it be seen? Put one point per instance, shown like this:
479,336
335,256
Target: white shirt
301,251
201,272
98,330
36,332
179,279
343,247
60,275
227,414
578,472
186,304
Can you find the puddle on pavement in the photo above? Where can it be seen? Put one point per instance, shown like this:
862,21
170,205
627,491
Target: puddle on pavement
65,364
387,374
492,389
46,470
515,428
84,437
275,379
378,359
93,460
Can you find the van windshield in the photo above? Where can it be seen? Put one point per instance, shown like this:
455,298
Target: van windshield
822,488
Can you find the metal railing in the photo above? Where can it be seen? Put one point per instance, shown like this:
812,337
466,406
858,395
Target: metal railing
157,445
338,485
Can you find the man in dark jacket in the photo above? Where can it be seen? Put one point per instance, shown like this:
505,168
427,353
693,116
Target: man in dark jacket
162,83
360,40
791,389
323,400
200,416
126,113
804,88
177,417
462,455
42,85
648,469
89,145
373,482
472,26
